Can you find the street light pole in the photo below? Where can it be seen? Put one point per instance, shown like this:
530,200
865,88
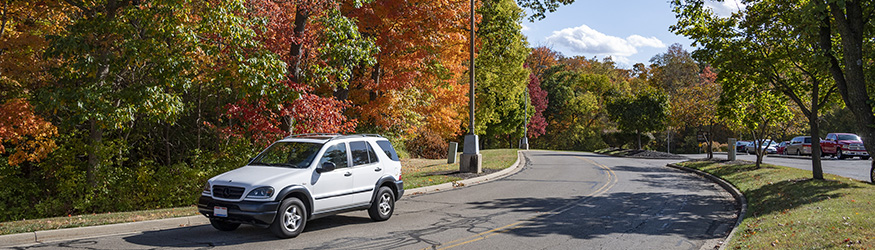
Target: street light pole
525,143
471,160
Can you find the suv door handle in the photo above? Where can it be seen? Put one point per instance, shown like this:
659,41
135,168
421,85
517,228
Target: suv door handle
347,174
378,169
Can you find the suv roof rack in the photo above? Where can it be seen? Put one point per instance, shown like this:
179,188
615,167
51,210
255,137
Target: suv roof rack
333,135
356,135
311,135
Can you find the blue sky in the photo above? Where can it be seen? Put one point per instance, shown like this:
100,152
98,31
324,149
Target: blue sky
630,31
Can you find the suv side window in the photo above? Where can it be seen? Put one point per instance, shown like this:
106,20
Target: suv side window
386,146
337,155
362,153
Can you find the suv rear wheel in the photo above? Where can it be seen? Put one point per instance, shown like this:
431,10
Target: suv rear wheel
383,205
290,219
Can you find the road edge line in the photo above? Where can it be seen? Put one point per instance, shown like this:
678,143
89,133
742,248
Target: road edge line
728,187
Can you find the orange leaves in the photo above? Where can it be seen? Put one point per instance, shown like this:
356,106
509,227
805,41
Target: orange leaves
414,85
30,135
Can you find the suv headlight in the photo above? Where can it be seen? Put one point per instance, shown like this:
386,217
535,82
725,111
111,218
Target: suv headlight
207,189
260,193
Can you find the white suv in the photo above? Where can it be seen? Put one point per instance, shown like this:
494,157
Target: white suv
304,177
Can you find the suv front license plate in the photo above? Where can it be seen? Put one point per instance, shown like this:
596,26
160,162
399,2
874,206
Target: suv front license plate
220,211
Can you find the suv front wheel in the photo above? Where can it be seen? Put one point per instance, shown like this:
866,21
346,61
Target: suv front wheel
290,219
383,205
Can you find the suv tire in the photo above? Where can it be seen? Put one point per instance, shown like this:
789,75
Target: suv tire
223,225
290,219
383,205
839,154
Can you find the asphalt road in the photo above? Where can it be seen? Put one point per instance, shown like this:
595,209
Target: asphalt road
852,168
559,200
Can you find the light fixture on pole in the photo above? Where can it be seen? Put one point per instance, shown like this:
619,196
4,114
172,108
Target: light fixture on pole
471,160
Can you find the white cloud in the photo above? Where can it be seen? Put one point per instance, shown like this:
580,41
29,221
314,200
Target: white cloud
525,28
586,40
640,41
725,8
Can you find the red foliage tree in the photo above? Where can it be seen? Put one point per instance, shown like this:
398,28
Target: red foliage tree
537,124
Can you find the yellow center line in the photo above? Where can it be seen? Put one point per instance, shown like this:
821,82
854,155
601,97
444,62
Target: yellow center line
612,180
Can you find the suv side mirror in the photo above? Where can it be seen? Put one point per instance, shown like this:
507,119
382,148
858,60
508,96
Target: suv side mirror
326,167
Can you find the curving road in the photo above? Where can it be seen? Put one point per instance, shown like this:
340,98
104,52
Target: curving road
559,200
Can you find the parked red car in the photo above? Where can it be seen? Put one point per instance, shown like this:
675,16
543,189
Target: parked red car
782,146
843,145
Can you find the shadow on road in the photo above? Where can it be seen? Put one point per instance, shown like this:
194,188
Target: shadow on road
694,217
205,236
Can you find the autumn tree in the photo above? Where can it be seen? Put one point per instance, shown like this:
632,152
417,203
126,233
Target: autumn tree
414,88
131,63
24,26
537,125
542,58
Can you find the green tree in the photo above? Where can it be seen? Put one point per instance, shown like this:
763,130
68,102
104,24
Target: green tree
132,62
500,76
644,112
767,42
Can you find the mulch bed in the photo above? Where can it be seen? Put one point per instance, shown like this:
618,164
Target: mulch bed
639,153
456,173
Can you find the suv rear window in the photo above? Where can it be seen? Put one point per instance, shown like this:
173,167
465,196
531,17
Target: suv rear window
362,153
386,146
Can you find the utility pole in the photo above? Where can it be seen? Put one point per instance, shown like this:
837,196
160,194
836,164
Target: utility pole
471,160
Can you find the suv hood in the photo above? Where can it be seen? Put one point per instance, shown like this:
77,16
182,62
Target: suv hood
257,176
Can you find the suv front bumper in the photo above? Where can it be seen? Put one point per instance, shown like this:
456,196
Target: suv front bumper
248,212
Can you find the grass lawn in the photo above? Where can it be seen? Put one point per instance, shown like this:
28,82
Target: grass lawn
789,210
415,172
23,226
425,172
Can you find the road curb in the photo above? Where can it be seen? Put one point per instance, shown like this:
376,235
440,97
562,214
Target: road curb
39,237
102,230
731,189
515,167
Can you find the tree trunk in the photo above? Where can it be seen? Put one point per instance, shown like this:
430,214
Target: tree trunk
816,166
301,17
638,133
96,139
850,77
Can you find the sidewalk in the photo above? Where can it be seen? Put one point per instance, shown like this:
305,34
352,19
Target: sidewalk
66,234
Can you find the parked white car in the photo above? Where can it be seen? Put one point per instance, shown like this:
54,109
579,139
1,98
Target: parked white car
304,177
769,146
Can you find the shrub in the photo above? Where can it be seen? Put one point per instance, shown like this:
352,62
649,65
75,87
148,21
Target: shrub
427,145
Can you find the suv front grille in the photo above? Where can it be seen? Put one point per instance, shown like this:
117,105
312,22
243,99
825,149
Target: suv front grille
228,192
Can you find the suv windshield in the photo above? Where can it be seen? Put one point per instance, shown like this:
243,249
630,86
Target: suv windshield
848,138
288,154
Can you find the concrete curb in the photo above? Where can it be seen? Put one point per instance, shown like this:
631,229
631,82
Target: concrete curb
39,237
102,230
515,167
731,189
